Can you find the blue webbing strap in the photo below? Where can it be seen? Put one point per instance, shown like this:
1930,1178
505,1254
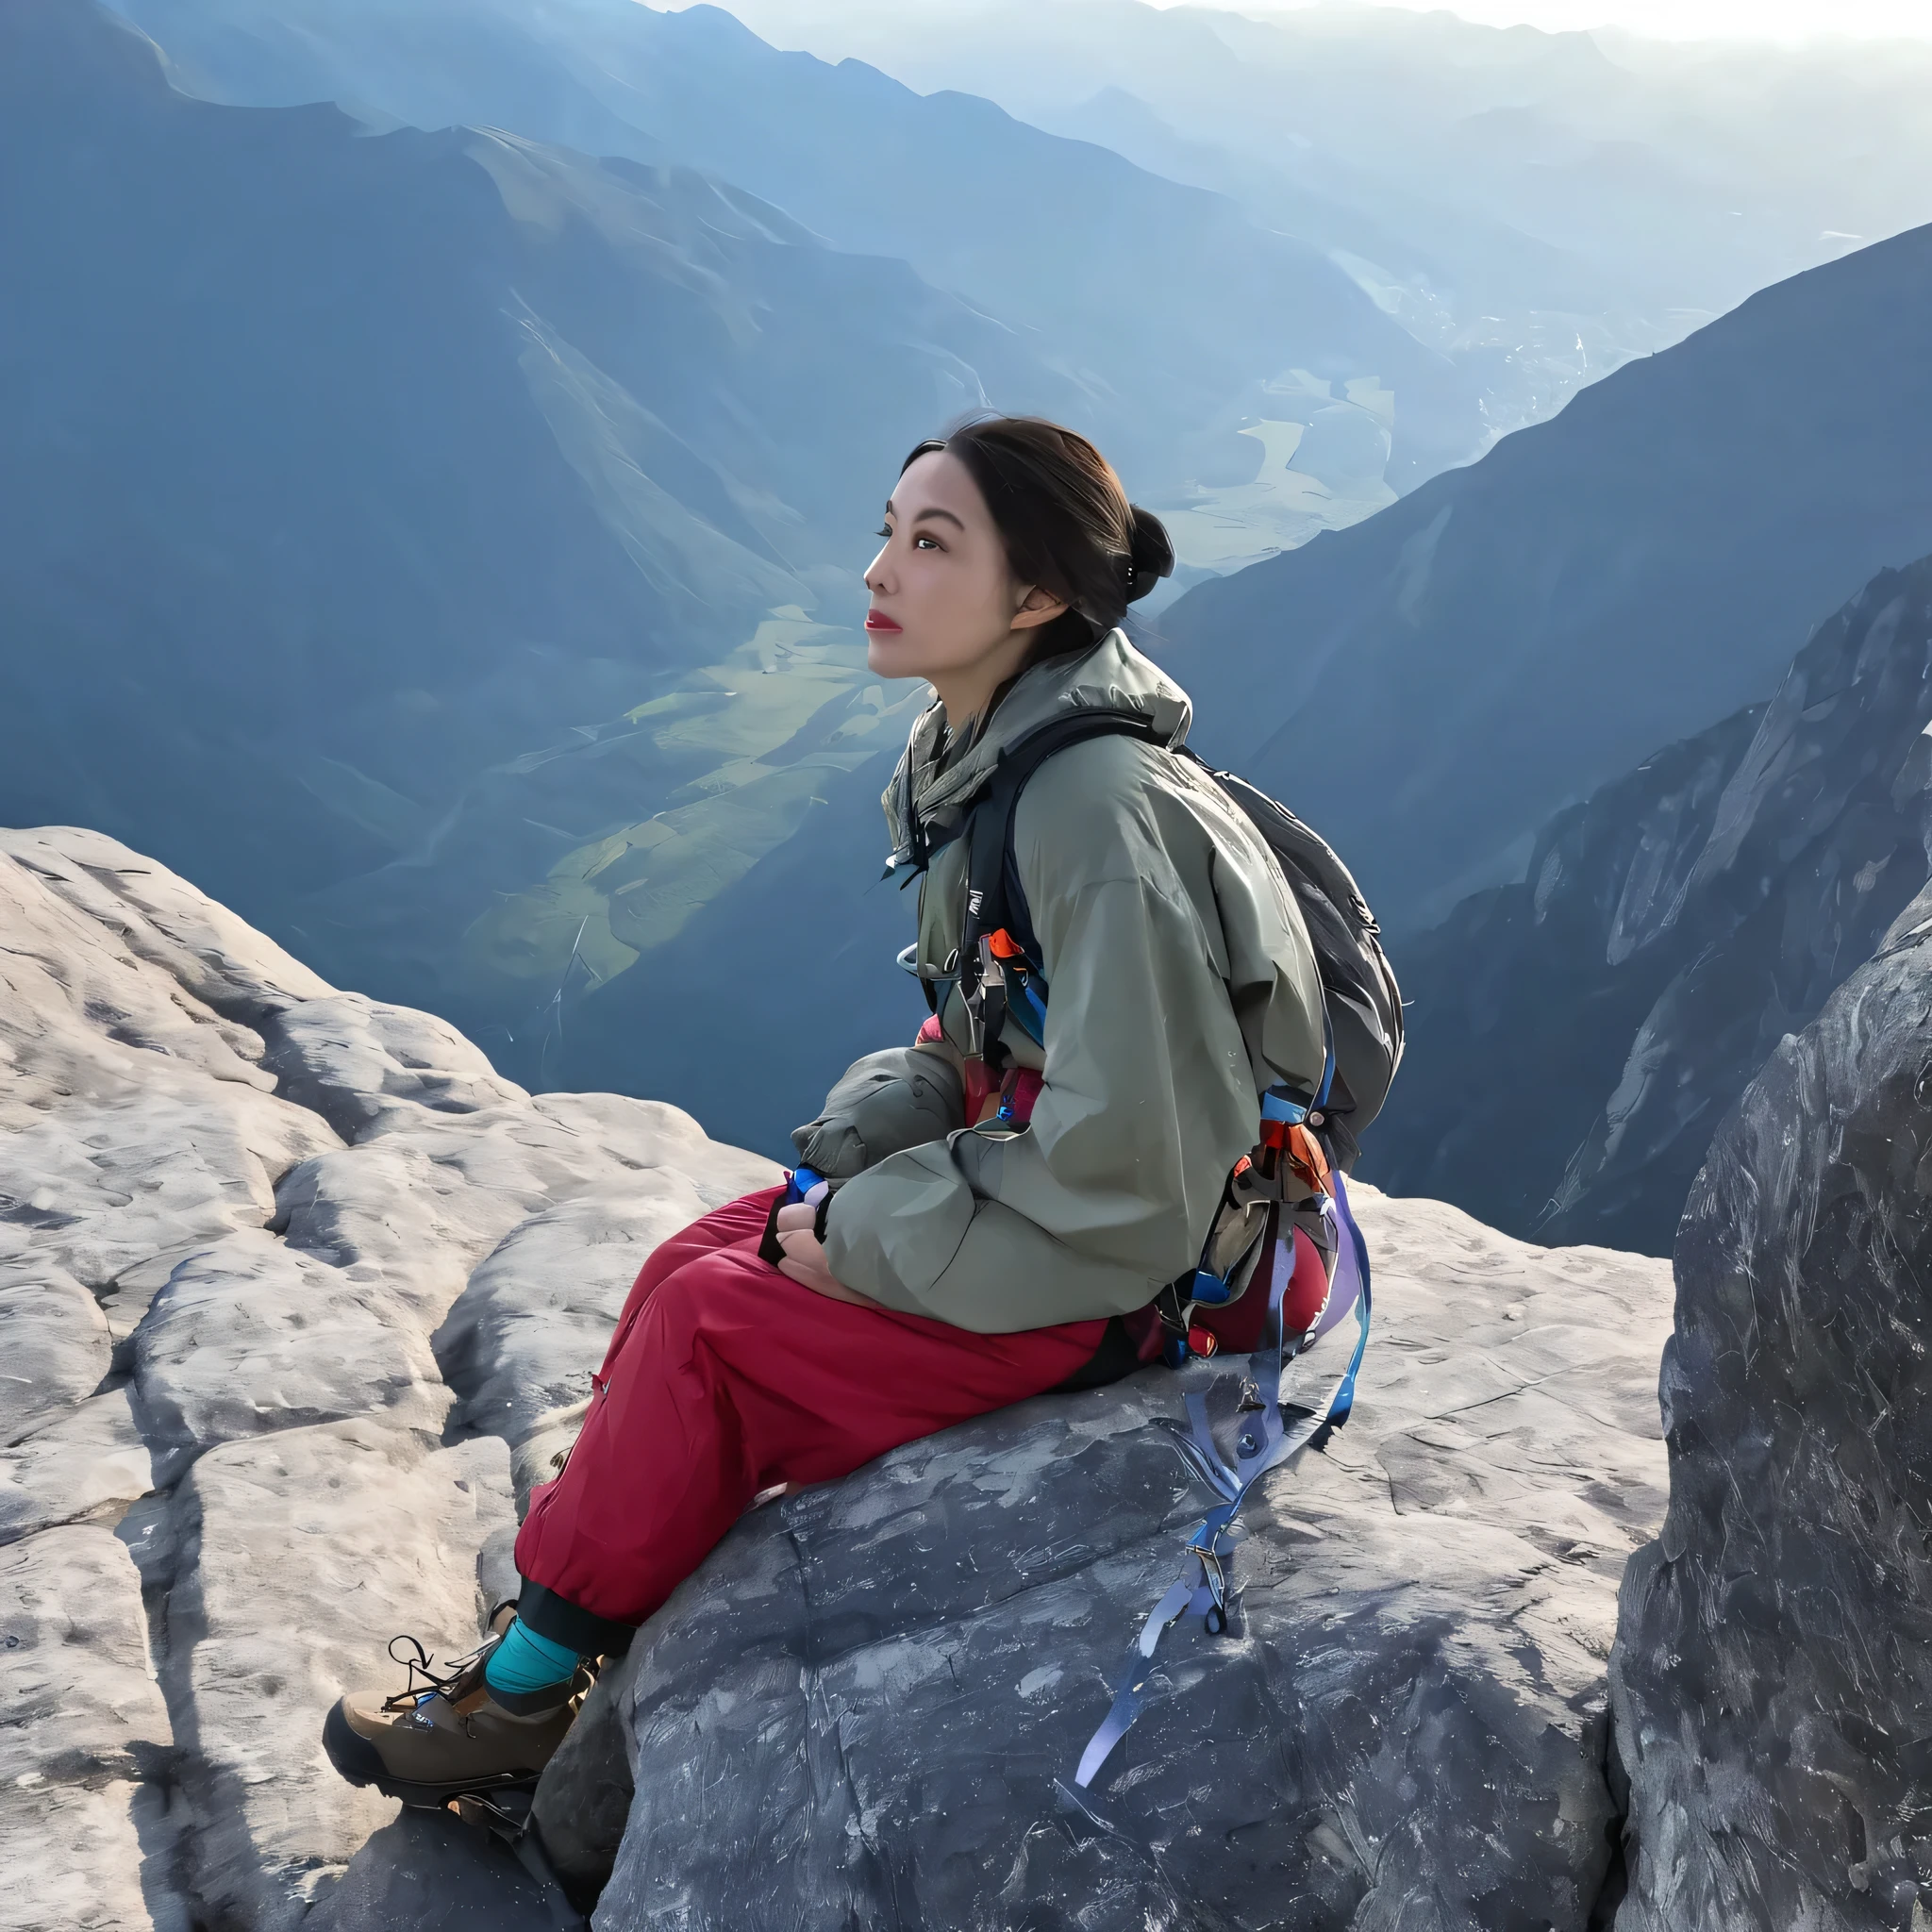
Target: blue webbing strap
1265,1442
1342,1401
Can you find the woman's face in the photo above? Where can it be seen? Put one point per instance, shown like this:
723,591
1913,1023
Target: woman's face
944,604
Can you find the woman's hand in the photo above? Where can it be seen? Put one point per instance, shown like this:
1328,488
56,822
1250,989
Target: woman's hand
804,1258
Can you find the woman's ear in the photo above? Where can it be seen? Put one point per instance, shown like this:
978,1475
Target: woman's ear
1037,607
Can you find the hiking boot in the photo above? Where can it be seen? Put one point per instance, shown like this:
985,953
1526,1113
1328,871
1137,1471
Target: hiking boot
449,1735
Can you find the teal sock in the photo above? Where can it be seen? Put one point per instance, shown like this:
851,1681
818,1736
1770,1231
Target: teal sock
524,1663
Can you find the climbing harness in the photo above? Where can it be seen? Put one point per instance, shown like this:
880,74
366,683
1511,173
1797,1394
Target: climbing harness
1265,1440
997,973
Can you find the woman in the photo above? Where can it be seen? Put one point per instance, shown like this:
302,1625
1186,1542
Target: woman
966,1256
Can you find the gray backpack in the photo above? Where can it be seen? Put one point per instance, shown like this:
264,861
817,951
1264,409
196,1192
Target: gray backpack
1364,1005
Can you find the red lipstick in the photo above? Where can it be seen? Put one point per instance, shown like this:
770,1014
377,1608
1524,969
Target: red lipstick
877,620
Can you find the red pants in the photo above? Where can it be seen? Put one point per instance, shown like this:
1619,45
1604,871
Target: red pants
723,1377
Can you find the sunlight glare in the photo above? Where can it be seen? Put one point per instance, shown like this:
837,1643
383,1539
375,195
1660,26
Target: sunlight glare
1670,20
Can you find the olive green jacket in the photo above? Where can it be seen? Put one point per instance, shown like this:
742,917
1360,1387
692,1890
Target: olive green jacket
1180,985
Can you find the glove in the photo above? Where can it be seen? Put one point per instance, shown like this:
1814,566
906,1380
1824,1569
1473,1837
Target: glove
802,1184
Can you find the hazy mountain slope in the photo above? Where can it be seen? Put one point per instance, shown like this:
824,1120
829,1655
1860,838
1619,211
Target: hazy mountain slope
345,479
1295,127
806,939
1542,203
1576,1039
660,876
1168,305
1673,168
1430,686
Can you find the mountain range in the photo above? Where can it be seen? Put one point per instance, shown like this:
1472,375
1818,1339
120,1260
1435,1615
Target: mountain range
1512,635
445,543
1577,1038
1540,204
1178,319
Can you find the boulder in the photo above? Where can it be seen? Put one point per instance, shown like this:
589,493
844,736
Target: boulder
1773,1672
351,1060
60,1348
865,1710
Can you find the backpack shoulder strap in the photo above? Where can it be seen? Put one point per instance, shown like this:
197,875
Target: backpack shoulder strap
997,921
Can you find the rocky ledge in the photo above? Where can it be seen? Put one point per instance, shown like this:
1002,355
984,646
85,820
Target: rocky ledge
288,1279
290,1283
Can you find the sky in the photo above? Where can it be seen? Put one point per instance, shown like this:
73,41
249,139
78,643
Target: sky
1678,20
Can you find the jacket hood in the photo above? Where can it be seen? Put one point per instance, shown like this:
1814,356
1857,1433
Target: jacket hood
1112,676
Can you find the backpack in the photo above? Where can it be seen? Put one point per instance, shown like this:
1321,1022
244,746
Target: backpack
1309,1142
999,973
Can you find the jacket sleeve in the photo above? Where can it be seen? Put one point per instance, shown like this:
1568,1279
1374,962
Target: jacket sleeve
1149,1098
883,1103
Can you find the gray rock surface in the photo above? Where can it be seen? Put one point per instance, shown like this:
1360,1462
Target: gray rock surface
237,1451
90,1459
299,1547
428,1872
864,1710
84,1741
1773,1673
306,1293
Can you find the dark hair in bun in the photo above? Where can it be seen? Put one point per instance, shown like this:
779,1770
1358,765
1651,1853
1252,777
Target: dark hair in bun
1065,520
1150,553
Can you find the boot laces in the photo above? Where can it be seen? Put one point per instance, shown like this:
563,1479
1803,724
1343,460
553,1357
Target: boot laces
435,1682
